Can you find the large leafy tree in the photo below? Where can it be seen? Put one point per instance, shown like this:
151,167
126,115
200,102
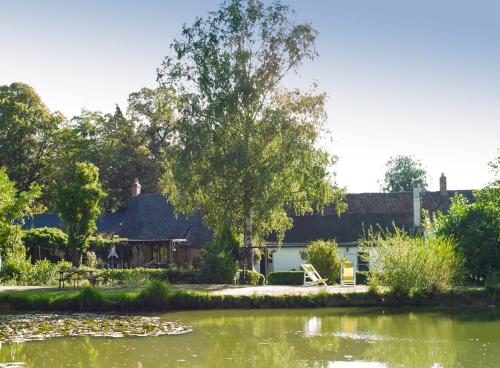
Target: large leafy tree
476,227
14,205
403,173
27,130
78,202
245,149
116,145
154,111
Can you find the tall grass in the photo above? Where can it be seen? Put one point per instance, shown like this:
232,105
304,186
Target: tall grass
406,265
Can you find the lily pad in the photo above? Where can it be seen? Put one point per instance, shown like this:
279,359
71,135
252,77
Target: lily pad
43,326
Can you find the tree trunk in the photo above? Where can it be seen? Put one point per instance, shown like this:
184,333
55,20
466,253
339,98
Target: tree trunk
248,238
73,251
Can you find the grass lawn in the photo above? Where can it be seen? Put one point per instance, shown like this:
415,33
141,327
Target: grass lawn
161,297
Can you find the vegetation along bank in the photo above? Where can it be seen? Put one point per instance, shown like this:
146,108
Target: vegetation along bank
158,296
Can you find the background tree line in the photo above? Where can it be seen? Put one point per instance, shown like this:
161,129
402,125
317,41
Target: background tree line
43,147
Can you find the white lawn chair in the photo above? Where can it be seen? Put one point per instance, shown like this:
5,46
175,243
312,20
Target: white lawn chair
311,276
348,274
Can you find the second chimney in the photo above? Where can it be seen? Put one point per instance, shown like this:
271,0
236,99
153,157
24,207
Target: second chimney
442,185
136,188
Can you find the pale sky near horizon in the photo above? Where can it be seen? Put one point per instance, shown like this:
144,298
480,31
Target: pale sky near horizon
420,78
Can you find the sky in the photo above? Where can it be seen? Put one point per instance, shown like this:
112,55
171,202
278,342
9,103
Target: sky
417,78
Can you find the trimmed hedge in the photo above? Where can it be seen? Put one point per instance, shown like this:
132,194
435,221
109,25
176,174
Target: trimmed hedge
141,276
286,278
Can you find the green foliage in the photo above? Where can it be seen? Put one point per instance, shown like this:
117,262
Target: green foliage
120,146
18,270
286,278
403,174
253,278
27,130
101,245
406,265
218,264
245,149
492,283
324,256
52,241
78,203
14,206
155,296
159,297
142,276
90,298
476,229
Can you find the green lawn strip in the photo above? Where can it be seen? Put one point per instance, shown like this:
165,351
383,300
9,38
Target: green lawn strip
159,297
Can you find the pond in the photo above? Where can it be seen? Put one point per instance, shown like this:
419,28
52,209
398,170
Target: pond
341,337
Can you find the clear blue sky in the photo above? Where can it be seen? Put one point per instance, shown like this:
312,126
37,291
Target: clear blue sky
420,77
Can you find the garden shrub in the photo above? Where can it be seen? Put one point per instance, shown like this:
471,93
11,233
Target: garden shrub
323,255
18,270
410,265
218,264
49,242
476,229
143,276
252,278
286,278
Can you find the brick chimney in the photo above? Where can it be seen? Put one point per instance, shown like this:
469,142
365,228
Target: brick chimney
442,185
417,207
136,188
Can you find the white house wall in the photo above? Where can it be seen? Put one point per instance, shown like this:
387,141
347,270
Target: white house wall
288,258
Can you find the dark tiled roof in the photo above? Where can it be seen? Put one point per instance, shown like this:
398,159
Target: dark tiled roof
42,220
110,222
106,223
151,217
365,210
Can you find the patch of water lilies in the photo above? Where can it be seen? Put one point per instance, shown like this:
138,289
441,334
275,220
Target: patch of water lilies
42,326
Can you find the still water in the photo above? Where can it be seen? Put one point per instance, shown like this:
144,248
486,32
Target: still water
342,337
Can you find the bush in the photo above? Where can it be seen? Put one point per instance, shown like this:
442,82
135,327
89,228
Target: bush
155,296
286,278
323,255
361,277
408,266
18,270
218,264
46,242
143,276
476,229
492,283
252,278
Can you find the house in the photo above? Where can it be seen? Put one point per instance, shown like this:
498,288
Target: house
152,234
364,210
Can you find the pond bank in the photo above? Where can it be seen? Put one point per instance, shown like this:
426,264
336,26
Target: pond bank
160,297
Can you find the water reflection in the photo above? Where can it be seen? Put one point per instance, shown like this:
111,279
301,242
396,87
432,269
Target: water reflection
329,338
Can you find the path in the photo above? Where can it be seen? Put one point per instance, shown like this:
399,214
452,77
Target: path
237,290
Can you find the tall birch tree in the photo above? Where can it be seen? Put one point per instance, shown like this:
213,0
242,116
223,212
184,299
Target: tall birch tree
245,150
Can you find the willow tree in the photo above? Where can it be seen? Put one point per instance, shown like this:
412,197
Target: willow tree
245,150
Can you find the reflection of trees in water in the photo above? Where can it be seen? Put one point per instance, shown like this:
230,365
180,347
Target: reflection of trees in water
281,338
81,351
